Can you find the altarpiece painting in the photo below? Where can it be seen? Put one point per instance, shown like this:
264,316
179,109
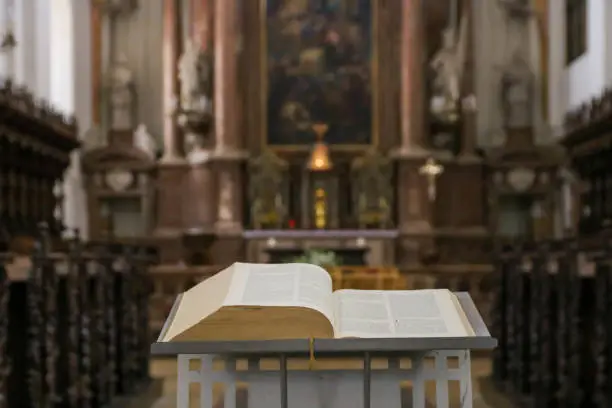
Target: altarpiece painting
319,57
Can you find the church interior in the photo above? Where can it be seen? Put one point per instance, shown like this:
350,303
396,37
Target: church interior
399,144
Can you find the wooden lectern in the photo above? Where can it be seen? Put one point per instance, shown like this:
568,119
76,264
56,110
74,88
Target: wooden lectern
374,382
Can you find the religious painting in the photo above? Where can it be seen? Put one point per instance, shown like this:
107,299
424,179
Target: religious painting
319,57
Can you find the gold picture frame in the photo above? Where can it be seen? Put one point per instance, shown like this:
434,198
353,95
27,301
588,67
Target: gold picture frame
264,88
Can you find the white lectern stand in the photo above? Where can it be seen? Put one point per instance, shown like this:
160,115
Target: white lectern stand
330,388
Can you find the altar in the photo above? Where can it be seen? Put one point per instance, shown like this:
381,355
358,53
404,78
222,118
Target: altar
360,247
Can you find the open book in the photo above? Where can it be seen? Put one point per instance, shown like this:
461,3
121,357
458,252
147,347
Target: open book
291,301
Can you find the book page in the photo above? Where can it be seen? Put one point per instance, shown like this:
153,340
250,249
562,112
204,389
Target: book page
399,313
294,284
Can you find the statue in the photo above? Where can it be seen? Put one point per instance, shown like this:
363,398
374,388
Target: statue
195,74
521,26
448,64
517,93
144,141
371,182
267,191
121,91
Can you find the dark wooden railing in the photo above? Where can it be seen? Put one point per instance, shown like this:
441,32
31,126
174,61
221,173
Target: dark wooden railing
553,319
74,326
35,141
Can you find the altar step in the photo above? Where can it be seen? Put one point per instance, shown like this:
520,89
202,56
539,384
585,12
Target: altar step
484,396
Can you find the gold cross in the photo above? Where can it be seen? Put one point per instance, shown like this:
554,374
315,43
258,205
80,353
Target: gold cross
431,170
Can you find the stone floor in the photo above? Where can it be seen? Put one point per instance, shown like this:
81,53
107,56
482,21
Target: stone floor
484,396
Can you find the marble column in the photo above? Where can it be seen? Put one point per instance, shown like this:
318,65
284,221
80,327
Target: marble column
412,105
173,149
228,154
172,169
415,210
201,21
225,78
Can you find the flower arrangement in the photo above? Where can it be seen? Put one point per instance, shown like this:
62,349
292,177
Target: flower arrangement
319,258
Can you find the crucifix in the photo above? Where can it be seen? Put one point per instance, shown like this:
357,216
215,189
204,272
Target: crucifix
431,170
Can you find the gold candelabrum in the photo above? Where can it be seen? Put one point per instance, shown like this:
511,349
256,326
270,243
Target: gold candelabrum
320,208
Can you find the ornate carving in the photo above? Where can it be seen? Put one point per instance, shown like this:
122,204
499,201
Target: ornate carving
267,190
372,185
119,180
560,353
521,179
589,113
36,330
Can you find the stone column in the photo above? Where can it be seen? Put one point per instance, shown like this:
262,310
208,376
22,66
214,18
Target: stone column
172,167
201,21
228,154
414,215
412,97
226,75
411,152
173,149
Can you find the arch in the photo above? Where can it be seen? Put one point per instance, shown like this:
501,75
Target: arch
62,59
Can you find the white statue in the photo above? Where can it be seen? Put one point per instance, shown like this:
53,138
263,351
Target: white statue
522,29
195,73
121,90
517,92
144,141
448,64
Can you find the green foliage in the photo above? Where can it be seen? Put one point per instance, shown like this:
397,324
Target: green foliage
319,257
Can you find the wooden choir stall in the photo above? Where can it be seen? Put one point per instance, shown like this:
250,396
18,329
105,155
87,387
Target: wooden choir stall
73,315
553,310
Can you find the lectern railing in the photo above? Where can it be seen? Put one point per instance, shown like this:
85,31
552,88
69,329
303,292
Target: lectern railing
338,373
